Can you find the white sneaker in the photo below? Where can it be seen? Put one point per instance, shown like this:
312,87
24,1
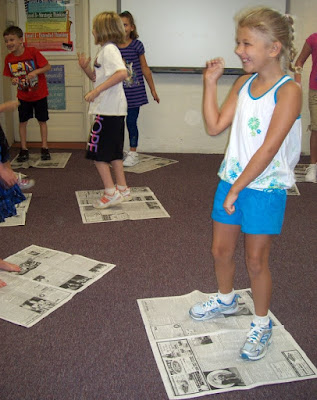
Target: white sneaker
131,159
311,173
108,201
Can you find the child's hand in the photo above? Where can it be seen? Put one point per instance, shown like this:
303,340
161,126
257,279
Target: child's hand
14,81
155,96
7,176
228,204
83,61
90,96
31,75
214,69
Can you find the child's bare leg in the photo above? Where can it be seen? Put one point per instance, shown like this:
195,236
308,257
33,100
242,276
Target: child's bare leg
22,132
105,174
6,266
257,251
119,172
225,238
43,131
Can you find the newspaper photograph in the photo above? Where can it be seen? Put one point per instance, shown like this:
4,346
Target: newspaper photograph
300,172
58,160
149,163
20,217
198,358
144,205
47,280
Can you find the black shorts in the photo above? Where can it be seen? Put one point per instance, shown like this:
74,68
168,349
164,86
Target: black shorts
40,110
106,139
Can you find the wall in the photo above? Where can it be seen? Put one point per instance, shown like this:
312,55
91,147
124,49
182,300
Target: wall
176,125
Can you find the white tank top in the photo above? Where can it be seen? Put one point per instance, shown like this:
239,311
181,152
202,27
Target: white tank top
248,131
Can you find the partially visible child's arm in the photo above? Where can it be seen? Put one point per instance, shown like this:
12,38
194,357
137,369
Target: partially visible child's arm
114,79
148,76
304,54
84,64
7,175
9,105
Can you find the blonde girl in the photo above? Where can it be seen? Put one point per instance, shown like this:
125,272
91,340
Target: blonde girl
263,108
108,103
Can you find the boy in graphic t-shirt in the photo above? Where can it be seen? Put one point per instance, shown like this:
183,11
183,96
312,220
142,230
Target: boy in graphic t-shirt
26,67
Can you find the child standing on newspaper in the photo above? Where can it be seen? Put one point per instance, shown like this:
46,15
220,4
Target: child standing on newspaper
263,107
108,102
132,51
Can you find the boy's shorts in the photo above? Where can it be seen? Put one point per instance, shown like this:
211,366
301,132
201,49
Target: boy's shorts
106,139
39,107
313,109
257,212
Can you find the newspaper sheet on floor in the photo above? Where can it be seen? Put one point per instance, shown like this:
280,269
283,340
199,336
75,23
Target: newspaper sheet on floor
149,163
198,358
20,217
58,160
300,172
47,280
144,205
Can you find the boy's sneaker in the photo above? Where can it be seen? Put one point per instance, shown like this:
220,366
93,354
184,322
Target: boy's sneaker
45,154
23,155
131,159
258,340
25,183
108,201
311,173
213,308
126,193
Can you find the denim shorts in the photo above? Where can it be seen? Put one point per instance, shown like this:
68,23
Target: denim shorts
257,212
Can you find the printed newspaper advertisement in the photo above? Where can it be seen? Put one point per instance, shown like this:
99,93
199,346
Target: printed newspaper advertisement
197,358
47,280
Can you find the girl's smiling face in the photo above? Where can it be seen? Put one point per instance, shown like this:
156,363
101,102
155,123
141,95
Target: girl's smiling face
127,27
254,49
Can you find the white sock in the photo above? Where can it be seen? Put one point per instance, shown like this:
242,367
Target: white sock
261,321
226,298
121,188
110,191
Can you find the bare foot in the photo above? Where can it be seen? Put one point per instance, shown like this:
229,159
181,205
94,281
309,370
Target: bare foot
6,266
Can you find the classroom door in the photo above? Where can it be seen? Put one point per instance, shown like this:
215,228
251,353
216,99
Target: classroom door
72,123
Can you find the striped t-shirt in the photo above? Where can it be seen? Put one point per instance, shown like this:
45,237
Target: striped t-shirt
134,87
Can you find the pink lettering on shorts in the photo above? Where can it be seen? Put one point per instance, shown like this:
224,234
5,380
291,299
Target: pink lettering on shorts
94,134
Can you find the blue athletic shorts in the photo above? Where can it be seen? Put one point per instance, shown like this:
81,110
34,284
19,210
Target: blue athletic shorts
257,212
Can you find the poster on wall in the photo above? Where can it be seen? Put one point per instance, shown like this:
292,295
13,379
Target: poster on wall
56,87
48,25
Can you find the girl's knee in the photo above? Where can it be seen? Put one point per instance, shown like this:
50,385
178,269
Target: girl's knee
220,252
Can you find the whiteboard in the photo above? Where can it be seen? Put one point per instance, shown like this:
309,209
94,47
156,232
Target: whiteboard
186,33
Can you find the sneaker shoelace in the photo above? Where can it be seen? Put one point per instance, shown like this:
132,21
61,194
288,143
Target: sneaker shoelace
210,302
254,334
